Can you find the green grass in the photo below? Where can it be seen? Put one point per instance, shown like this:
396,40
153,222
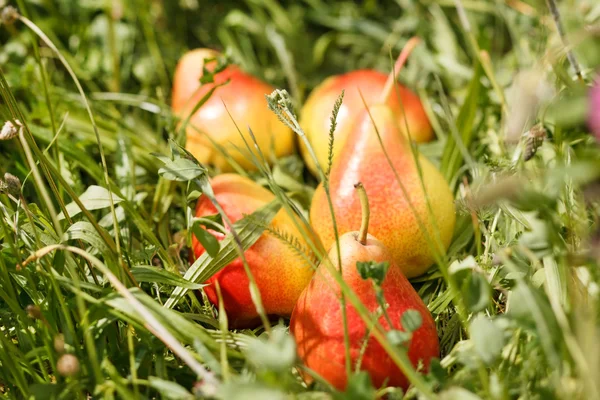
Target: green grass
106,278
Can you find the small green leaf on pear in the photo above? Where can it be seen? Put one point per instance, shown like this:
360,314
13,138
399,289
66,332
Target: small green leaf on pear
399,338
208,241
193,196
373,270
411,320
208,76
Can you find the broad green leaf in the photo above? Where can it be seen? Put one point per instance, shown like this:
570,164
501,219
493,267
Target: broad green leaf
278,353
461,267
193,196
46,237
487,339
85,231
181,169
247,390
359,388
206,266
411,320
146,273
165,159
169,390
208,241
94,198
476,292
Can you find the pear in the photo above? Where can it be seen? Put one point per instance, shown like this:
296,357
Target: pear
243,96
316,113
280,273
317,323
394,220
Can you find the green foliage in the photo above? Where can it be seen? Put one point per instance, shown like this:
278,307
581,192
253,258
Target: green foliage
524,258
146,273
359,388
94,198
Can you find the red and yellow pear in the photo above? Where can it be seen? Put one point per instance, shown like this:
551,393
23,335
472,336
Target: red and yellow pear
243,96
279,272
316,112
317,321
401,197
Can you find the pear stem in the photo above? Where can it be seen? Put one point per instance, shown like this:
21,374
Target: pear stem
400,61
366,213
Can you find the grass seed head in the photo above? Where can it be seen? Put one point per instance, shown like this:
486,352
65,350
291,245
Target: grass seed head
67,365
10,185
9,130
9,15
34,311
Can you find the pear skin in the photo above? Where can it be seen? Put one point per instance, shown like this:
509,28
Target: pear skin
316,113
393,222
280,273
317,324
244,97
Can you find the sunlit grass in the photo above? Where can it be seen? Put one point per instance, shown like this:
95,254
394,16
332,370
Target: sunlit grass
90,84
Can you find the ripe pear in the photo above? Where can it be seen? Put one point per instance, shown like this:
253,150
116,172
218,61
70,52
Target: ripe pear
317,323
394,221
316,113
279,272
244,96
